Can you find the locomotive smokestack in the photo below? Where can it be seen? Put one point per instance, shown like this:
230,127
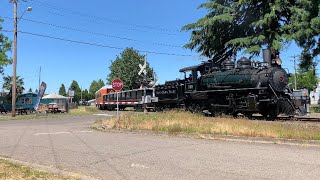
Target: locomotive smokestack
266,56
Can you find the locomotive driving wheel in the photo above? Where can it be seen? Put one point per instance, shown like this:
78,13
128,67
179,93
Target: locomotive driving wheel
272,114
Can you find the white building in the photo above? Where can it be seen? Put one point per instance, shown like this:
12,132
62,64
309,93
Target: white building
315,95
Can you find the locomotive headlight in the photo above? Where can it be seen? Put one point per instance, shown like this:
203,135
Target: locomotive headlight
278,62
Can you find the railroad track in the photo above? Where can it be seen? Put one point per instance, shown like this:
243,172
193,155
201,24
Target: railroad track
308,119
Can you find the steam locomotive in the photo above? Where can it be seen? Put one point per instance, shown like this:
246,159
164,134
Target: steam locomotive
249,87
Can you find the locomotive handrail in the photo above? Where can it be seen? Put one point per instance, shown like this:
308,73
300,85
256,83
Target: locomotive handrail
273,91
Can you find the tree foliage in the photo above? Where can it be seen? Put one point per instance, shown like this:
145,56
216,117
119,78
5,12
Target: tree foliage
305,30
5,46
235,25
7,84
305,80
126,67
62,90
85,95
94,87
77,91
30,90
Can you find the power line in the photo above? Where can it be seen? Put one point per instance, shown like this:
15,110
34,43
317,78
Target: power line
101,45
47,5
95,33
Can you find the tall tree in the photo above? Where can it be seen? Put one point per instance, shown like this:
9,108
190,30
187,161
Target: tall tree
233,25
7,84
126,67
305,79
305,30
77,91
94,87
62,90
85,95
100,83
5,46
30,90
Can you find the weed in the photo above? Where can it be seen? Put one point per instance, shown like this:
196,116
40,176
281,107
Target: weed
175,122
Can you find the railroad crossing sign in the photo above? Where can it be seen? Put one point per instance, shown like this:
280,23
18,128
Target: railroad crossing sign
143,68
117,84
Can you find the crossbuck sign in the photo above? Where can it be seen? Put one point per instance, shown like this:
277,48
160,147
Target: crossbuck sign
143,68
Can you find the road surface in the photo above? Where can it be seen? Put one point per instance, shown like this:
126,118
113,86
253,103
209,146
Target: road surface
69,144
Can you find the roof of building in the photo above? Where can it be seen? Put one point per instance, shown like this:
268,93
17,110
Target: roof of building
106,87
54,96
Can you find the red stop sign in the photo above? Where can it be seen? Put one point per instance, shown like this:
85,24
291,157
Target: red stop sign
117,84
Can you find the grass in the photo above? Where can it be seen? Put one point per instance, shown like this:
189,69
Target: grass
184,122
13,171
82,110
315,108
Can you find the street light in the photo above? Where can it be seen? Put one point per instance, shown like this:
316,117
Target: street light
15,38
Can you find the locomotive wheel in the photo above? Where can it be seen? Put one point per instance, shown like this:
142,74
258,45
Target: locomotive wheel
248,115
235,114
198,109
271,115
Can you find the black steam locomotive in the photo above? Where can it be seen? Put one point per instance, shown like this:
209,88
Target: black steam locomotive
248,87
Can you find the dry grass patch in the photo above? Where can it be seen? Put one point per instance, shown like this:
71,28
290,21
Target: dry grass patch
13,171
82,110
184,122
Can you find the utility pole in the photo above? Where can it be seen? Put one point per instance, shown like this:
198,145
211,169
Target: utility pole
295,72
39,78
15,38
144,87
81,95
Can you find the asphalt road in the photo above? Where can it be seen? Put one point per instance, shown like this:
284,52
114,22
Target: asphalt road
69,144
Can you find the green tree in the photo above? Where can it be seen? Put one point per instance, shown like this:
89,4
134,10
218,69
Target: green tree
305,30
7,84
233,25
5,46
36,91
85,95
77,91
100,83
30,90
62,90
94,87
126,67
305,79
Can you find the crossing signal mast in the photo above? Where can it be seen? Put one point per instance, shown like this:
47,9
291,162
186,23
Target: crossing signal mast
143,69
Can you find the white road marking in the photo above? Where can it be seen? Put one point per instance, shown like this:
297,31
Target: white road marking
102,115
139,166
57,133
84,131
37,134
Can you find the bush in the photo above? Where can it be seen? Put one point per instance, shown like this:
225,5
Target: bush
315,109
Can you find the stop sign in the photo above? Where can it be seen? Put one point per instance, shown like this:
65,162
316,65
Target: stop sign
117,84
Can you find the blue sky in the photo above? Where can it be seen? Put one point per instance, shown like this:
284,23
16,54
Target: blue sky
146,23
